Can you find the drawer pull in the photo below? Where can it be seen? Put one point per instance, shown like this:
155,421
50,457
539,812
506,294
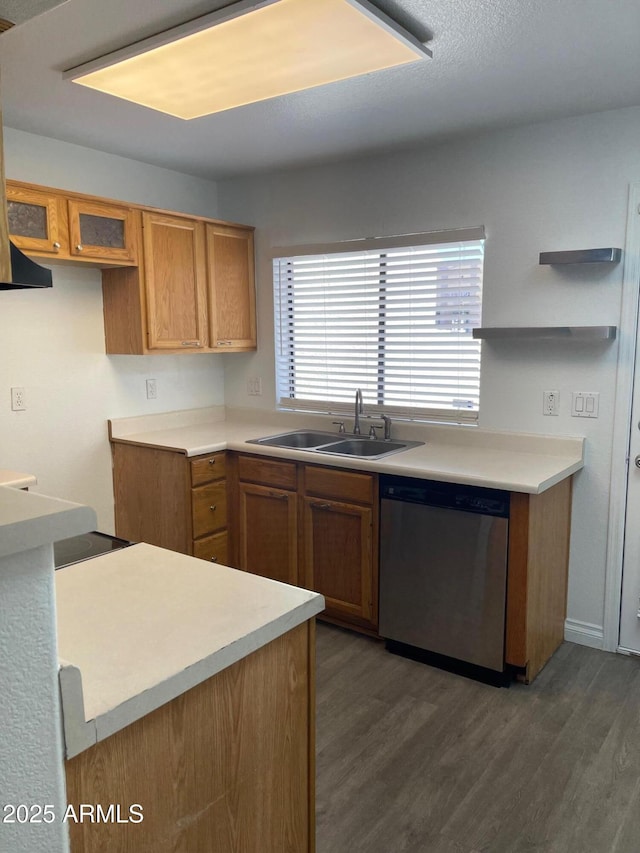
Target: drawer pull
279,496
190,344
213,507
214,559
212,461
321,506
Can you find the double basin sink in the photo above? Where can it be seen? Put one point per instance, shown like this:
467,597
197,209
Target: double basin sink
328,442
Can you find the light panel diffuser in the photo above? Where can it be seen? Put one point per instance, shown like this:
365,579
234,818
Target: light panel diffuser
249,52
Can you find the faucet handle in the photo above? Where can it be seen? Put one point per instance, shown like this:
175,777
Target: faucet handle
372,430
340,425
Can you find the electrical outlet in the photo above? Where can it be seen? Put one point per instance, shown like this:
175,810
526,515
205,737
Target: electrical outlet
254,386
585,404
18,400
551,403
152,389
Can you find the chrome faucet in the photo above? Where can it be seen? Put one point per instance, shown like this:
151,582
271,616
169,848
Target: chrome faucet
359,411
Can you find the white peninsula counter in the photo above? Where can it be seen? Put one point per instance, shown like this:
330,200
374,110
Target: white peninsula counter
175,695
188,698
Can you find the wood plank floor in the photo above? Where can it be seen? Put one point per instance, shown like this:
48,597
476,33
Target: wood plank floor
412,759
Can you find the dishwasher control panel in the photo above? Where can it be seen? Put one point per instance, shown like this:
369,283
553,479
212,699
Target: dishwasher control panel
450,495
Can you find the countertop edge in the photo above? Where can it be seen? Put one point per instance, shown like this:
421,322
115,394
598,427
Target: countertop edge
80,734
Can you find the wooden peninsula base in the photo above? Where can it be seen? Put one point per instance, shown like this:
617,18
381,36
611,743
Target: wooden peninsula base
227,766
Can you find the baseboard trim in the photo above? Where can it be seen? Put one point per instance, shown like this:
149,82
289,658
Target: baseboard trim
584,633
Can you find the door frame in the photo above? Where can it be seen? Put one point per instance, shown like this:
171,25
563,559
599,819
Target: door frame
627,345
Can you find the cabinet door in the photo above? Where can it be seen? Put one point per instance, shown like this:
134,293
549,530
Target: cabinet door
338,546
103,232
268,532
175,281
232,301
36,221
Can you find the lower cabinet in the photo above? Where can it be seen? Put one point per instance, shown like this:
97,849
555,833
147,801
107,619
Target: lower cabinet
166,499
315,527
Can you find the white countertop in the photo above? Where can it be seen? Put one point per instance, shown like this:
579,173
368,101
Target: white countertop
28,520
139,626
518,462
16,479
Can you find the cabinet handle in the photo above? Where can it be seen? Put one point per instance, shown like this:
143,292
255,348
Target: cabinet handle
214,559
279,496
223,343
79,247
212,461
213,508
190,344
321,506
56,245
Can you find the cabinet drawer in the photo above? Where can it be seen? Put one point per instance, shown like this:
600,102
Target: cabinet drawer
204,469
343,485
267,472
209,505
212,548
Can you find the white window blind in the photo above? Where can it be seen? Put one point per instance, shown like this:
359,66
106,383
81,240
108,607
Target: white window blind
393,320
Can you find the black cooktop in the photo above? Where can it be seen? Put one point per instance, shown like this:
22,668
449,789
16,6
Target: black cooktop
78,548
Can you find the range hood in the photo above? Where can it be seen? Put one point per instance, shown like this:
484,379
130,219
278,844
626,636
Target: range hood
25,273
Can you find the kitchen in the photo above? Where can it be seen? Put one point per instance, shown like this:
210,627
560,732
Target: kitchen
552,183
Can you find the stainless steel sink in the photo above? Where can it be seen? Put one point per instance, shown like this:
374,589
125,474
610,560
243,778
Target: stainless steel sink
304,439
365,447
328,442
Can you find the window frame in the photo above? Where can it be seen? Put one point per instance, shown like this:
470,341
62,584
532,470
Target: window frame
320,406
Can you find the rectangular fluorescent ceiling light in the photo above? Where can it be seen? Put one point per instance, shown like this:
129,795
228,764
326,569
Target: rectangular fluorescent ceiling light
251,51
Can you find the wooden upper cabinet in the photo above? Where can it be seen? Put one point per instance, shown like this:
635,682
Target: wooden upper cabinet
37,221
175,281
170,282
49,223
102,231
232,301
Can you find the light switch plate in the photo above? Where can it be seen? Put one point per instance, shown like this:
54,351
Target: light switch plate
585,404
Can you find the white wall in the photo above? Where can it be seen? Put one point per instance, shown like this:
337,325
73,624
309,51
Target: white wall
556,185
52,341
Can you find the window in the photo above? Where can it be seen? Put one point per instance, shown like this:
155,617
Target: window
391,317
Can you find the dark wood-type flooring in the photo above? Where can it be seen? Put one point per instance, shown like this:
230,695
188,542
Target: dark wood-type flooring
412,759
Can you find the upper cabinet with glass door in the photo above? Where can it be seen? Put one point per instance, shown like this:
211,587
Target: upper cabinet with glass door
37,221
103,232
44,223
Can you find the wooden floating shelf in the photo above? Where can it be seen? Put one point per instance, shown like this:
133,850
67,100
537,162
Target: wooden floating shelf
574,333
582,256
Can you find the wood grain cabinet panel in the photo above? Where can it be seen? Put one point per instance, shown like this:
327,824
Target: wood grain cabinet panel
231,288
539,532
213,549
338,557
228,767
268,532
100,231
313,526
165,499
37,221
204,469
44,222
170,282
175,282
209,505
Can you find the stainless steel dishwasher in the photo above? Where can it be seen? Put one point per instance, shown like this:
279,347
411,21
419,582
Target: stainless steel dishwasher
443,571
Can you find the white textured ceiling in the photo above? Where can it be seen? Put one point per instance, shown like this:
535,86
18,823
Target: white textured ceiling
495,63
